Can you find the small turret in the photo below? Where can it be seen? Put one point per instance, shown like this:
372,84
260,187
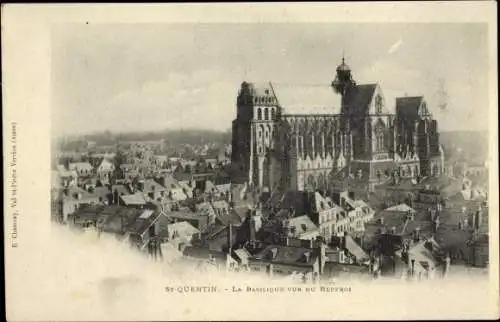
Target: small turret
343,79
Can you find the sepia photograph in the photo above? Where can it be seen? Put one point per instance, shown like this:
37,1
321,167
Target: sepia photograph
195,163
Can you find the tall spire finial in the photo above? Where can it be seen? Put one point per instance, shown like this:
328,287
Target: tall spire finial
343,56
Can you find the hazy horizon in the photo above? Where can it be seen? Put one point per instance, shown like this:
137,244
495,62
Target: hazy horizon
154,77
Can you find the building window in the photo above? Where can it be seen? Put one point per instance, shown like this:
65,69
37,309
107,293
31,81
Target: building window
379,140
259,114
378,104
266,114
424,109
273,114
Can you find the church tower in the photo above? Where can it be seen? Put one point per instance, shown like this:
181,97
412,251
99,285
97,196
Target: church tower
343,83
254,131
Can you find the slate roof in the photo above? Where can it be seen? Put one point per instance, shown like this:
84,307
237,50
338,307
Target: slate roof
121,189
203,253
110,218
134,199
103,192
355,249
361,97
242,254
106,164
303,224
407,107
63,172
400,222
182,214
80,166
182,228
298,200
223,187
152,186
185,185
227,216
84,195
261,89
423,256
170,182
400,208
241,211
214,237
440,182
210,187
142,224
286,255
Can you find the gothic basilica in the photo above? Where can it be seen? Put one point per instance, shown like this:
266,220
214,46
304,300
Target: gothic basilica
362,141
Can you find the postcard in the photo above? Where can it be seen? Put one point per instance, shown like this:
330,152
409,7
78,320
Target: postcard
247,161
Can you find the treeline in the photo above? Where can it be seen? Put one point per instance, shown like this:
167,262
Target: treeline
474,144
171,137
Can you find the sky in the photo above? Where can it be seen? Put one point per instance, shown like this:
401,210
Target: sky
148,77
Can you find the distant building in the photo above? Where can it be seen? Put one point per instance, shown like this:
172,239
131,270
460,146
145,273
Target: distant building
199,221
479,251
137,226
424,260
182,231
105,169
73,198
333,214
288,260
83,169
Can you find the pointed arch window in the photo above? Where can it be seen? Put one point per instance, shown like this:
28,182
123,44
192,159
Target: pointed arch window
259,114
424,109
379,139
266,114
273,114
378,104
